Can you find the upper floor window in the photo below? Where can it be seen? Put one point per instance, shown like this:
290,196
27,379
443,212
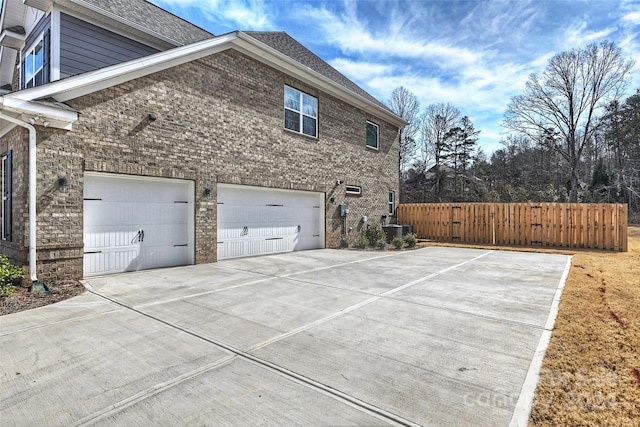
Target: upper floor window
392,202
300,112
35,63
6,195
372,135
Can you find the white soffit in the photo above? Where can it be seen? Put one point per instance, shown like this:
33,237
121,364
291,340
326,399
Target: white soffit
11,39
43,5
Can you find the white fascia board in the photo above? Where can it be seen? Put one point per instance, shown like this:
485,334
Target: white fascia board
93,81
270,56
56,117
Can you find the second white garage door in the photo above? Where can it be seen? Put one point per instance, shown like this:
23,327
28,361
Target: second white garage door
258,221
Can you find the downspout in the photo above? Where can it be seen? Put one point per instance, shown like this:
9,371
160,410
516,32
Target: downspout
32,191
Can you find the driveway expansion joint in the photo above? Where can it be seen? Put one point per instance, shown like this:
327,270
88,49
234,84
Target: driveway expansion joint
336,394
308,382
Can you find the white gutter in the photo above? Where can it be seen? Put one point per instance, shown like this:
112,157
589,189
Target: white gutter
32,192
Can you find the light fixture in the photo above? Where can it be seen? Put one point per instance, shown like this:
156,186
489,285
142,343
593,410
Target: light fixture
207,192
339,182
63,185
152,117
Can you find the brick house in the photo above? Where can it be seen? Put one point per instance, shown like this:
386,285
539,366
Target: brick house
176,147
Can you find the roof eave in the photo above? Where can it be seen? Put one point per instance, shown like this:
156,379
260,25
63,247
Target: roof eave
38,113
84,84
11,39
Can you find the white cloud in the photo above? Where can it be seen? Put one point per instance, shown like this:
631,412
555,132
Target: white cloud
362,69
349,34
475,55
578,36
240,14
632,17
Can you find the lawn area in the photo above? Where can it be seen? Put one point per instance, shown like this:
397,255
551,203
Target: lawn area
591,370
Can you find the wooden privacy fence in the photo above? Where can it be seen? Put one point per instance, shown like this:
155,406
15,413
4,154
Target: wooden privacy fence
568,225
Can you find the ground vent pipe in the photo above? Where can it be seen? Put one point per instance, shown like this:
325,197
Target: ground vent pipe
32,192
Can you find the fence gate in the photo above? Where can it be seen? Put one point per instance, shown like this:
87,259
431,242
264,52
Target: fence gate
569,225
456,223
536,225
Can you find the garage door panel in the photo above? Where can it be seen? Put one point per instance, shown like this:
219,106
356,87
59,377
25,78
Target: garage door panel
133,224
256,221
106,236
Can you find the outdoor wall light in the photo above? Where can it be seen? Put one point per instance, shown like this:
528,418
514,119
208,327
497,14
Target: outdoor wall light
207,192
152,117
63,185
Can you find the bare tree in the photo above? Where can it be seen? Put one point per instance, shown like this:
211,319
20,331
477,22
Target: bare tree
435,123
567,99
405,104
622,136
462,139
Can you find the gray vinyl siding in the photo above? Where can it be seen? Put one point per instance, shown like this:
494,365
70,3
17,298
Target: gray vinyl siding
86,47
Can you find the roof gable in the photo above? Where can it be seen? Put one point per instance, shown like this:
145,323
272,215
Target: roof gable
321,76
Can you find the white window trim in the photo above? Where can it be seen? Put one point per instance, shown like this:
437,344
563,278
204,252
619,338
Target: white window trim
392,203
377,147
353,189
301,112
54,46
23,60
4,186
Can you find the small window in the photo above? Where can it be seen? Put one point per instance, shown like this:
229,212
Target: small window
392,202
300,112
6,196
372,135
353,189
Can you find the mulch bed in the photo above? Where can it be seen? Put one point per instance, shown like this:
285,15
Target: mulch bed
21,299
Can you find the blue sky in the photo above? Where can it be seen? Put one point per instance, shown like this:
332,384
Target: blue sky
475,55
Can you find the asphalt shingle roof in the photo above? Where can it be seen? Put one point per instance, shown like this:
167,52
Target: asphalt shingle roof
154,18
287,45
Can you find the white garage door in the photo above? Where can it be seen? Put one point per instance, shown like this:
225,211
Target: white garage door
133,223
258,221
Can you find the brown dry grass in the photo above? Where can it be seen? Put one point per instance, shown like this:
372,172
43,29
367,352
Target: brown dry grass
591,370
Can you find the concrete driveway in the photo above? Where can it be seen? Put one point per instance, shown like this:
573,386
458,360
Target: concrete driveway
435,336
